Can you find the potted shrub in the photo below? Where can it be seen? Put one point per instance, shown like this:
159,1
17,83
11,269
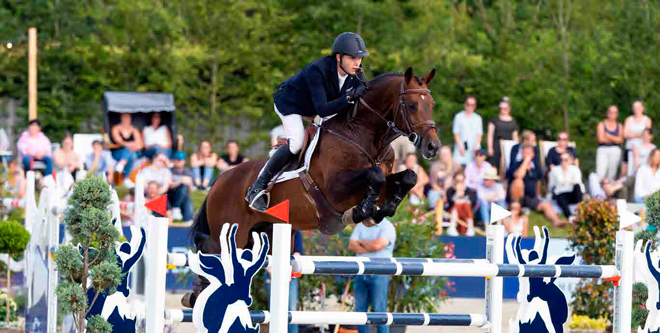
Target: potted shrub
13,241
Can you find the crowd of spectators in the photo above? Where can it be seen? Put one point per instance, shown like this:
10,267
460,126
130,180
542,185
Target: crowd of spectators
510,169
148,152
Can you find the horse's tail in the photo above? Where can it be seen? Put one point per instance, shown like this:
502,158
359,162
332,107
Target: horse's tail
200,231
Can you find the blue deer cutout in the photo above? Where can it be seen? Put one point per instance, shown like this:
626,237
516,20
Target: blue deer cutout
651,277
543,305
223,306
114,308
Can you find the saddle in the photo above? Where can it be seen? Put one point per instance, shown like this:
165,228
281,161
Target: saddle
329,218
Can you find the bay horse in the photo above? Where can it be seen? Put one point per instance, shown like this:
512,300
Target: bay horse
351,168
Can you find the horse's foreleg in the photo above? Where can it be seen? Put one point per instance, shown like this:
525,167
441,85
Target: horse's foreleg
397,187
367,208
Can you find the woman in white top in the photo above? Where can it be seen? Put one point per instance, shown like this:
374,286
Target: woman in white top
517,222
633,131
565,183
157,138
647,180
641,153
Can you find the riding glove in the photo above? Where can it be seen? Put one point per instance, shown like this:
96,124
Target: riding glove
355,94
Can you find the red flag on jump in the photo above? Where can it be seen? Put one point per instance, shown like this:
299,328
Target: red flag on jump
158,205
280,211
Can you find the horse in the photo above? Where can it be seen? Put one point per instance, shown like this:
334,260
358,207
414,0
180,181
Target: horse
350,177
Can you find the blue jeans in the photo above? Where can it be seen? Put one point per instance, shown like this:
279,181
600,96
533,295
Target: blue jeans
293,297
151,152
371,289
208,173
27,163
180,197
125,154
484,209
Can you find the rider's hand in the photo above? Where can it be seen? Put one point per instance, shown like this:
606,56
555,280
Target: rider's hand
356,93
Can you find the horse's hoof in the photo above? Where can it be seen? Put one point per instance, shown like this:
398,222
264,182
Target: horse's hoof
347,218
188,300
369,222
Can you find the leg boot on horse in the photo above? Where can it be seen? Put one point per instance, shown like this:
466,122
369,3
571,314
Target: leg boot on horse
257,195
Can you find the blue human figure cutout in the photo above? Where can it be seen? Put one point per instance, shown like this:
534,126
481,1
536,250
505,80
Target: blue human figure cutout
114,308
547,292
651,277
223,306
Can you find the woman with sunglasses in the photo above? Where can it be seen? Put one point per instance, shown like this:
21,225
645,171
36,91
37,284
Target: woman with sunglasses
566,183
501,127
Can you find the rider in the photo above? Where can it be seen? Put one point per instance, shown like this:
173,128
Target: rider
325,87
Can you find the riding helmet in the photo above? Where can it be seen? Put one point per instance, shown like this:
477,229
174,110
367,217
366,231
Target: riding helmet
351,44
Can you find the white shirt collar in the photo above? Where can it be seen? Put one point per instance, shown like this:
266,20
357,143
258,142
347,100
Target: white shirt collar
342,79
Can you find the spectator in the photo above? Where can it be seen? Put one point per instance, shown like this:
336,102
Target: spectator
294,283
517,222
130,141
203,165
524,177
441,176
490,192
157,137
633,130
15,183
528,137
461,201
474,171
402,147
554,155
416,194
610,138
152,192
232,158
373,242
33,145
606,189
277,133
502,127
125,213
643,150
565,183
179,192
100,161
647,180
159,173
65,158
467,129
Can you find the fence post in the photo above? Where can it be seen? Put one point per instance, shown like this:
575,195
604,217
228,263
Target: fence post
494,285
280,278
623,292
156,270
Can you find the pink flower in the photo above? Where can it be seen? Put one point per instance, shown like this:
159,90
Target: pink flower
414,221
416,211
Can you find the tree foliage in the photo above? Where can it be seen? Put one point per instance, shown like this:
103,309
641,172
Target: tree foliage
562,62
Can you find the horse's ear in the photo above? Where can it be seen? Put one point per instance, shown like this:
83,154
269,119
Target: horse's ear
408,75
429,77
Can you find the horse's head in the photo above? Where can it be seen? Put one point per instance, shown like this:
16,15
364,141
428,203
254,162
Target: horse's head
415,112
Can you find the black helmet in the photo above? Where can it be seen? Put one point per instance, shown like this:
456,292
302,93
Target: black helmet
351,44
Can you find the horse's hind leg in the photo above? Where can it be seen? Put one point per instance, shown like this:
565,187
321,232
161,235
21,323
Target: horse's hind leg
367,208
397,187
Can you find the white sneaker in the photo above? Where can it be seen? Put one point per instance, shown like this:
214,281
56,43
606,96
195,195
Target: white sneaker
119,167
470,232
452,232
128,183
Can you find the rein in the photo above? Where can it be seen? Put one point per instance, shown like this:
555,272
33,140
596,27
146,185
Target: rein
402,109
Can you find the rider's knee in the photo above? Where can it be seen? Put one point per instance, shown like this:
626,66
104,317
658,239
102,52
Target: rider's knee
295,145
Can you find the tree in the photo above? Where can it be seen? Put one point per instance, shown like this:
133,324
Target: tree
93,263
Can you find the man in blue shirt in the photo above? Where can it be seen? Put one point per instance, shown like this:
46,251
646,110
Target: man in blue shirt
376,241
524,177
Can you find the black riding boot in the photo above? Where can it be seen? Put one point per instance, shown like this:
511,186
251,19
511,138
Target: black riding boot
256,196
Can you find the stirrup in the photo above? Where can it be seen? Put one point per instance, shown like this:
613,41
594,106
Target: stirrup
257,197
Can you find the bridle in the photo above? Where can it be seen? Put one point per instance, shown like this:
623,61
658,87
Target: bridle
401,109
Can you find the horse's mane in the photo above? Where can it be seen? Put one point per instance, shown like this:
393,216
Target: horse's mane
385,76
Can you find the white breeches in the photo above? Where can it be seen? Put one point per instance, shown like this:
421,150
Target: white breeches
293,129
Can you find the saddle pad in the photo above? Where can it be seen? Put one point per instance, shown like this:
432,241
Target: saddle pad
293,174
